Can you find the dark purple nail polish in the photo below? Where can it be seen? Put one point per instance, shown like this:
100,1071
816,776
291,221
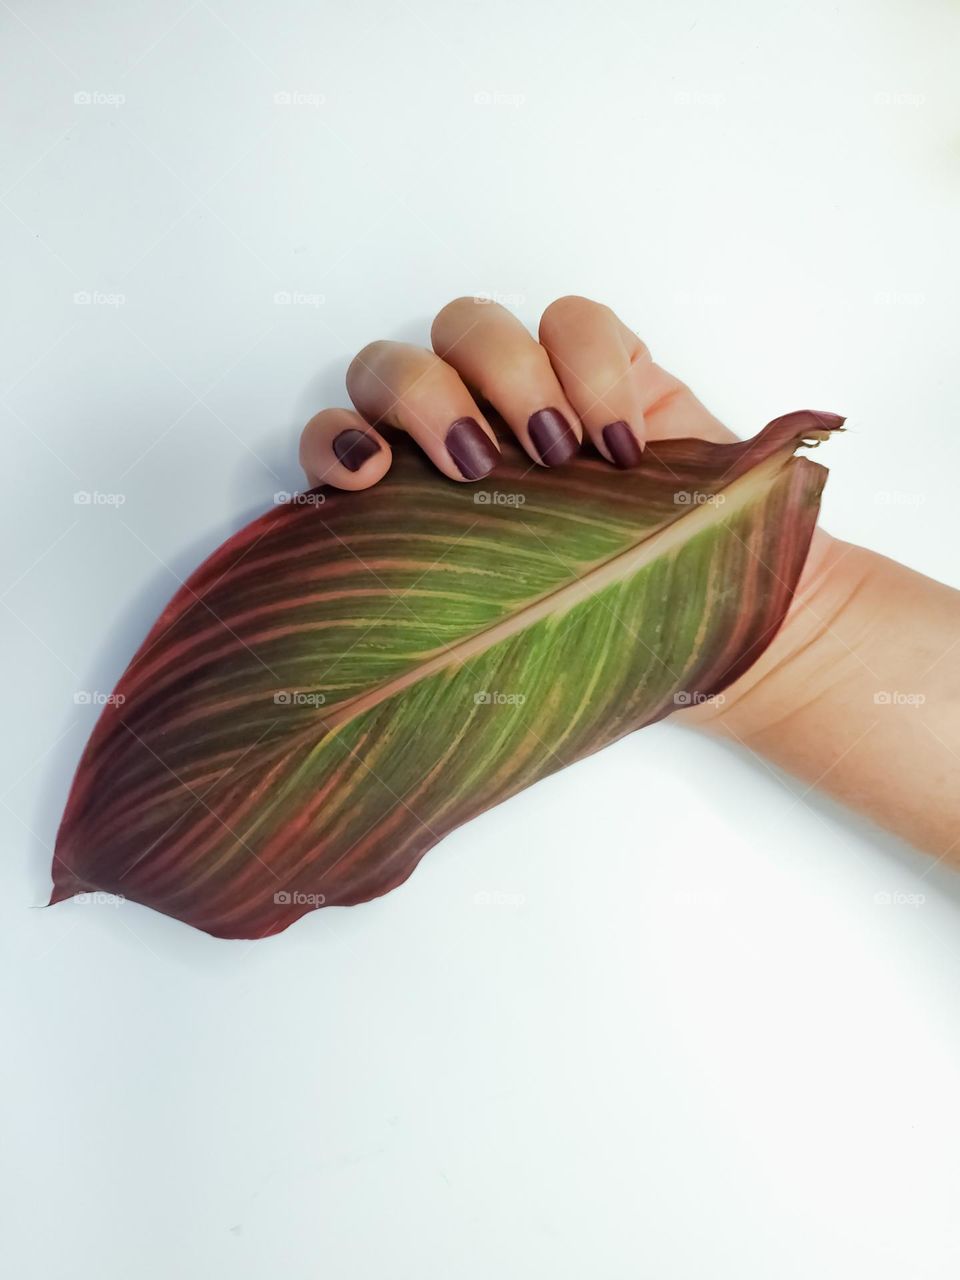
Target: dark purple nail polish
353,448
829,419
552,437
622,443
471,449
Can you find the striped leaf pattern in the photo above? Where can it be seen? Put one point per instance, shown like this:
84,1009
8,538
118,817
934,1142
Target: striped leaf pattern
353,675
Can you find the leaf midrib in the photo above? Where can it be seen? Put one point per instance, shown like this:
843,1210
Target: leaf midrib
623,564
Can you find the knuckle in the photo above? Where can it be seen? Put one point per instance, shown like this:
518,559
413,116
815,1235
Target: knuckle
568,313
641,353
525,364
452,314
391,369
419,381
366,362
607,376
460,317
374,352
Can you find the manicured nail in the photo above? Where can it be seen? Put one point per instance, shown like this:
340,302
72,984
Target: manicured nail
622,443
552,437
829,419
471,448
353,448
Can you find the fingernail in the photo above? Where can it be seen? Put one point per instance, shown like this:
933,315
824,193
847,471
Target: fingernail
622,443
552,437
829,419
354,447
471,448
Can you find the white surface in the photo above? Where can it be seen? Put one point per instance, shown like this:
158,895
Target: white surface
694,1045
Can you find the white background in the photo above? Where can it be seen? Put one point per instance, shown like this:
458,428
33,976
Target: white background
690,1042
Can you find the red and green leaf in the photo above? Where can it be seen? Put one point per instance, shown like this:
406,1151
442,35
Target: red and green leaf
353,675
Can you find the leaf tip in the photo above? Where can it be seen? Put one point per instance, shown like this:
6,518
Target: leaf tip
65,883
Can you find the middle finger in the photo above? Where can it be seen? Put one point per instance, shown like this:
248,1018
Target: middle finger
494,353
409,388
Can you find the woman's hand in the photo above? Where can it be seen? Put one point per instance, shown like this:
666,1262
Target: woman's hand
857,694
588,378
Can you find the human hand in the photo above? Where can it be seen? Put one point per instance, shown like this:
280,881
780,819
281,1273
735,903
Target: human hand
588,382
588,378
810,702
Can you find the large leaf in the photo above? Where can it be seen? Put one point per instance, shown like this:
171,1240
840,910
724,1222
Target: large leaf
353,675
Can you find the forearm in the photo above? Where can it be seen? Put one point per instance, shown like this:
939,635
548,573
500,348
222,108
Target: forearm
860,694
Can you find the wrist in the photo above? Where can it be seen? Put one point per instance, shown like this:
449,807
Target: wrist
816,648
859,694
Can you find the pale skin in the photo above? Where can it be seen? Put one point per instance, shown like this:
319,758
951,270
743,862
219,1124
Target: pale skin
859,693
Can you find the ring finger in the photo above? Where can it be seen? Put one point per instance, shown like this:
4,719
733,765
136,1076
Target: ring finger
494,353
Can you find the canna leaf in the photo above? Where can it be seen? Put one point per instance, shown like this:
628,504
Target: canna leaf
353,675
